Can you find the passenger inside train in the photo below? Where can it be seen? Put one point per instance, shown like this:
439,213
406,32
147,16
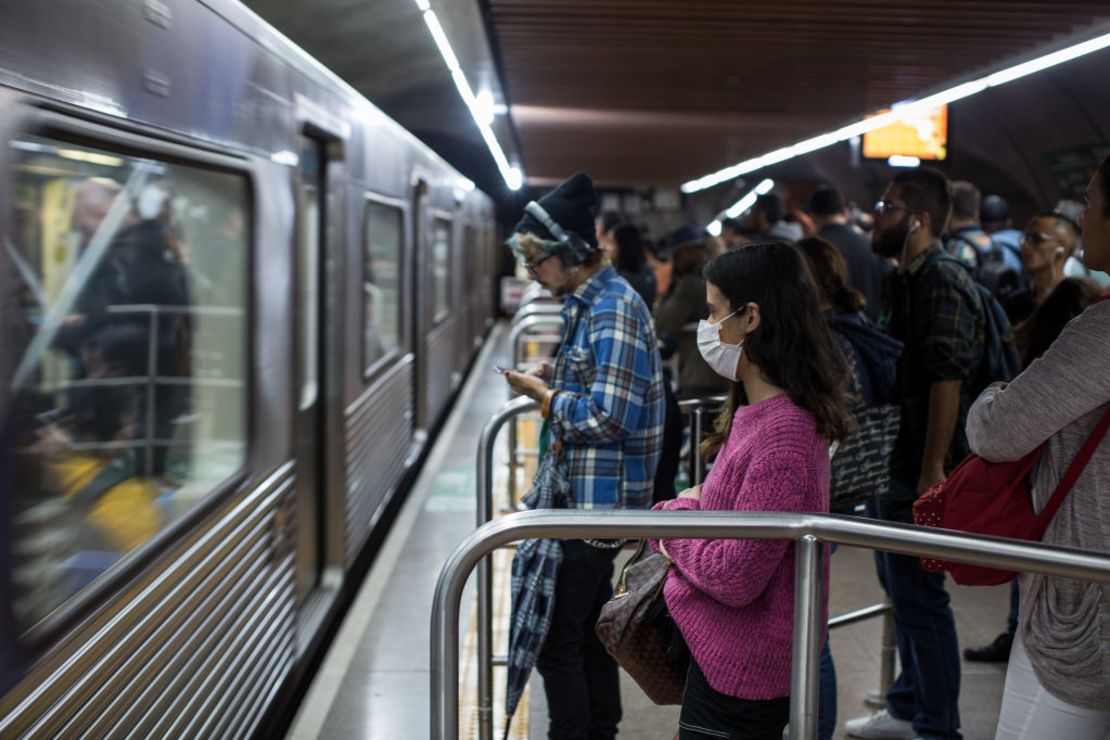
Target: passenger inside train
797,317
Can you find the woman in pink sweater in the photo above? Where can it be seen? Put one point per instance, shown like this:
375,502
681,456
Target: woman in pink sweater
733,599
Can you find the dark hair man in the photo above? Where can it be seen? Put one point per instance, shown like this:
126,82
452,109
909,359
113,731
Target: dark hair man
866,272
733,234
767,220
994,217
603,402
936,312
996,264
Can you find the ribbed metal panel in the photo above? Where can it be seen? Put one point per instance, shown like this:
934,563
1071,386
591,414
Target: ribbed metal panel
196,645
379,431
441,363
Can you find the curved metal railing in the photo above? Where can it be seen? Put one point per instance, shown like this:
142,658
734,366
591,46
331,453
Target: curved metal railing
809,531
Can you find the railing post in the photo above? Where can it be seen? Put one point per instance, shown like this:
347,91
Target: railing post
697,463
889,651
484,513
151,391
808,631
809,576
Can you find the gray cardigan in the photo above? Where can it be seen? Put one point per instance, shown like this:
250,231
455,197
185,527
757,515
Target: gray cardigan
1065,624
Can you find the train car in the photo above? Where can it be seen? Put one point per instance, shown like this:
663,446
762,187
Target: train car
236,298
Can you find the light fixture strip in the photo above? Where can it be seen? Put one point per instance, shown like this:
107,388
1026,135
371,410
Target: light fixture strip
514,179
739,207
899,112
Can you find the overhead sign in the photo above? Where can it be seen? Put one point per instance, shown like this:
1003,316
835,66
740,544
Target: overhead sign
924,136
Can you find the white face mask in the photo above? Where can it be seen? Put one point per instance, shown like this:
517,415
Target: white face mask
723,358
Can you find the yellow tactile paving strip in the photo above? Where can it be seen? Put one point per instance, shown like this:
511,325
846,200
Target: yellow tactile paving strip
528,433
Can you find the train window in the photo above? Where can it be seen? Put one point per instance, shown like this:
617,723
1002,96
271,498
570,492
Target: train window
129,400
381,328
441,267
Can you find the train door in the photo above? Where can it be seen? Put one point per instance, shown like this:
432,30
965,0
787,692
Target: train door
313,436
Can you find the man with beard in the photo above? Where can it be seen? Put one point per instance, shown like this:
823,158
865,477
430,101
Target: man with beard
936,311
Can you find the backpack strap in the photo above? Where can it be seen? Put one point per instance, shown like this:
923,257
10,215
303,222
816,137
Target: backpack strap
1073,473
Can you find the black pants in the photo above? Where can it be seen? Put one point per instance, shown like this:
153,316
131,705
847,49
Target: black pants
580,679
708,714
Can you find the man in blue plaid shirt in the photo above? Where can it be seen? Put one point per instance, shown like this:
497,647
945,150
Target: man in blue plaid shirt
603,401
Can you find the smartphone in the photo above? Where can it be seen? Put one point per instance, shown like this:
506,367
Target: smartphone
500,370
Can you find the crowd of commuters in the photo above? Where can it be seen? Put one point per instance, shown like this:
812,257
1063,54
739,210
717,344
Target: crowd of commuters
807,324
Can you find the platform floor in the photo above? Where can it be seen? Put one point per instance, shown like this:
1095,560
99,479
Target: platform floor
374,681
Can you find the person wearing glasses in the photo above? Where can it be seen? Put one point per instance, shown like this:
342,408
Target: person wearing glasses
935,310
1049,241
603,404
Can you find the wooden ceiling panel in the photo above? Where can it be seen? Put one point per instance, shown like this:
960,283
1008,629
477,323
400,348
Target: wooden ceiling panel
814,64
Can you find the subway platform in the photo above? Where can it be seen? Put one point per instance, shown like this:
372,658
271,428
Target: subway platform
374,681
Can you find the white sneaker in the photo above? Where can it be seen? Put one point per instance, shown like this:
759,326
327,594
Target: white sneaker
880,726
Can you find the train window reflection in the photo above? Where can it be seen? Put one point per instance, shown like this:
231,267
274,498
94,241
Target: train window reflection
381,329
129,395
441,267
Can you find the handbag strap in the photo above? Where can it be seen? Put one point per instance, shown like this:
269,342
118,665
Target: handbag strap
622,583
1073,473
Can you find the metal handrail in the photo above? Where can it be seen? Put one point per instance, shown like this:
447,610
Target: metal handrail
696,408
518,334
520,330
484,510
536,309
533,291
809,530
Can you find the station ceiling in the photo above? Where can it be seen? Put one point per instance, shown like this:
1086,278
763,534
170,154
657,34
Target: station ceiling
656,92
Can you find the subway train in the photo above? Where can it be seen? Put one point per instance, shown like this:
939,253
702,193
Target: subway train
237,298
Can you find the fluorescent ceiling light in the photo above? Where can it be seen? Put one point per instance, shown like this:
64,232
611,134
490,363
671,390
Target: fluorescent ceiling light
898,112
481,106
901,160
740,206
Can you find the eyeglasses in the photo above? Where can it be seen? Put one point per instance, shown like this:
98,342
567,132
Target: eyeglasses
885,206
1037,239
534,265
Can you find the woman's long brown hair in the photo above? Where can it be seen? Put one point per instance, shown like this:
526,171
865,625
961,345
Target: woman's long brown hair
793,346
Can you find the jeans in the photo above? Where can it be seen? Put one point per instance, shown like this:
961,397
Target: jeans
580,679
1029,712
927,691
707,714
826,696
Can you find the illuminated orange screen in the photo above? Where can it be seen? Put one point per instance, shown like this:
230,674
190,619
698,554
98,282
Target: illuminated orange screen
925,137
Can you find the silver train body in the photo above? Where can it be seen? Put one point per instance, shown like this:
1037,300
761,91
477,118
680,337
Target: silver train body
336,278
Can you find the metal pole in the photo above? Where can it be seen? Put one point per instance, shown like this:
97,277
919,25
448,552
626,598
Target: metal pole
484,511
889,651
697,461
151,390
898,538
804,684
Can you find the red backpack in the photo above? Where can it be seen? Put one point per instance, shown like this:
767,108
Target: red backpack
996,499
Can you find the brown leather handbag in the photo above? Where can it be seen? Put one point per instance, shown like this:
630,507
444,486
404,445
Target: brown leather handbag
637,631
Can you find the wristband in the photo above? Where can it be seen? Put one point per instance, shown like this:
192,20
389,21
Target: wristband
545,407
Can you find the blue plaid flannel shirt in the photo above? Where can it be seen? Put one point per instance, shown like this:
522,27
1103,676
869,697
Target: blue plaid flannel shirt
609,409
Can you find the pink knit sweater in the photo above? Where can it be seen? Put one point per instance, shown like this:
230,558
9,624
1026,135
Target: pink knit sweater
733,600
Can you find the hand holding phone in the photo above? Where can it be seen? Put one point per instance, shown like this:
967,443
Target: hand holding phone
500,370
